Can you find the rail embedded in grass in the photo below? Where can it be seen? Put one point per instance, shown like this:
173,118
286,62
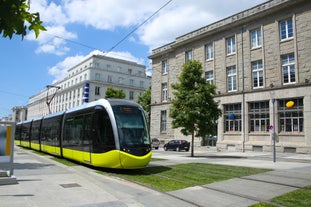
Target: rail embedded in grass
175,177
297,198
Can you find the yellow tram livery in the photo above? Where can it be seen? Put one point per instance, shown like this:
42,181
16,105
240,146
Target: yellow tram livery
110,133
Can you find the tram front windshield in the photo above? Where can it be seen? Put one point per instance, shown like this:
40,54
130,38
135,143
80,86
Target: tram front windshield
132,127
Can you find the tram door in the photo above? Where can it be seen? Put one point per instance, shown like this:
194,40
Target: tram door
76,138
87,138
50,137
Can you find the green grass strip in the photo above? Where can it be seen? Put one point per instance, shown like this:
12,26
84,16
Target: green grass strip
175,177
297,198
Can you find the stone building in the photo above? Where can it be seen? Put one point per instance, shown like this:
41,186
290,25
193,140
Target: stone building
259,60
88,81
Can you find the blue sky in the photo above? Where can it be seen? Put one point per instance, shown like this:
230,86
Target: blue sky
87,26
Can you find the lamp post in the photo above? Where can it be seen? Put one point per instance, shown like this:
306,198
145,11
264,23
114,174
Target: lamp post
273,130
48,102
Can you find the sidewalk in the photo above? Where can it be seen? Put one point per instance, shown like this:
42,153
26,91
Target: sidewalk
44,182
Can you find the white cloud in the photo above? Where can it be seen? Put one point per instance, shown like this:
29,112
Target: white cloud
50,13
109,14
166,27
53,41
59,71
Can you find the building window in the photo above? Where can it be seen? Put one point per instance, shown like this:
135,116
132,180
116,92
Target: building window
130,71
131,95
188,55
97,76
233,118
209,51
163,121
291,119
209,76
97,90
256,38
286,29
164,91
131,82
230,43
109,79
120,80
164,67
257,74
288,68
231,78
141,84
259,116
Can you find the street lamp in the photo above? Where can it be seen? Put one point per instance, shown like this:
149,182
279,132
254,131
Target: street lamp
273,131
48,102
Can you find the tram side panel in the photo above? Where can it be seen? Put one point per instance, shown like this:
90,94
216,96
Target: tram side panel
76,138
88,138
25,134
17,139
50,135
35,134
104,151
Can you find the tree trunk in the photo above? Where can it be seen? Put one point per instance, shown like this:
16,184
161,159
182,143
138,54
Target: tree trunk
192,143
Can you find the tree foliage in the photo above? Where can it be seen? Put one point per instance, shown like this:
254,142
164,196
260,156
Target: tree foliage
193,109
114,93
15,18
144,100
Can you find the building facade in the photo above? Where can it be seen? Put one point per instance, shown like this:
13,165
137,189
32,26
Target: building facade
88,81
259,60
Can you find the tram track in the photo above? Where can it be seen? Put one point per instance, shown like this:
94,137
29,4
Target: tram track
223,191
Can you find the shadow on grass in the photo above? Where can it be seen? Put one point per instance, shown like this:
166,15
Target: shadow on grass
144,171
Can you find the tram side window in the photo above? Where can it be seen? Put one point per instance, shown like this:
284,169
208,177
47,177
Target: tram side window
77,131
50,131
35,131
87,136
18,132
73,132
25,135
103,140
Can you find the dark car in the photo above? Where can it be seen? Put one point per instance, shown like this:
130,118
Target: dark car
177,145
155,143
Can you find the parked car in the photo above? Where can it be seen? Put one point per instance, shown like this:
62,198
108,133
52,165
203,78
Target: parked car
177,145
155,143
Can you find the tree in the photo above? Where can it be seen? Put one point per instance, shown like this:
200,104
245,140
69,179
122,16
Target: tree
144,100
114,93
193,108
15,18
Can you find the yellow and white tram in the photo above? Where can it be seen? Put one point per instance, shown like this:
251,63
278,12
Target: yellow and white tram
109,133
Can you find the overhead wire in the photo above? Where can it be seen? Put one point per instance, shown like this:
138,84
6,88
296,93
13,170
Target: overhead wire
120,41
136,28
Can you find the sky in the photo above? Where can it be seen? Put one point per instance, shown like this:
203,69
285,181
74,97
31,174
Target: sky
76,29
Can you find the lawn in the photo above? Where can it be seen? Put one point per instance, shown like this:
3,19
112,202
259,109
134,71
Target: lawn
174,177
298,198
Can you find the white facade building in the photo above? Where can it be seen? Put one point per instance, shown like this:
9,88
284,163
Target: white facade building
88,81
